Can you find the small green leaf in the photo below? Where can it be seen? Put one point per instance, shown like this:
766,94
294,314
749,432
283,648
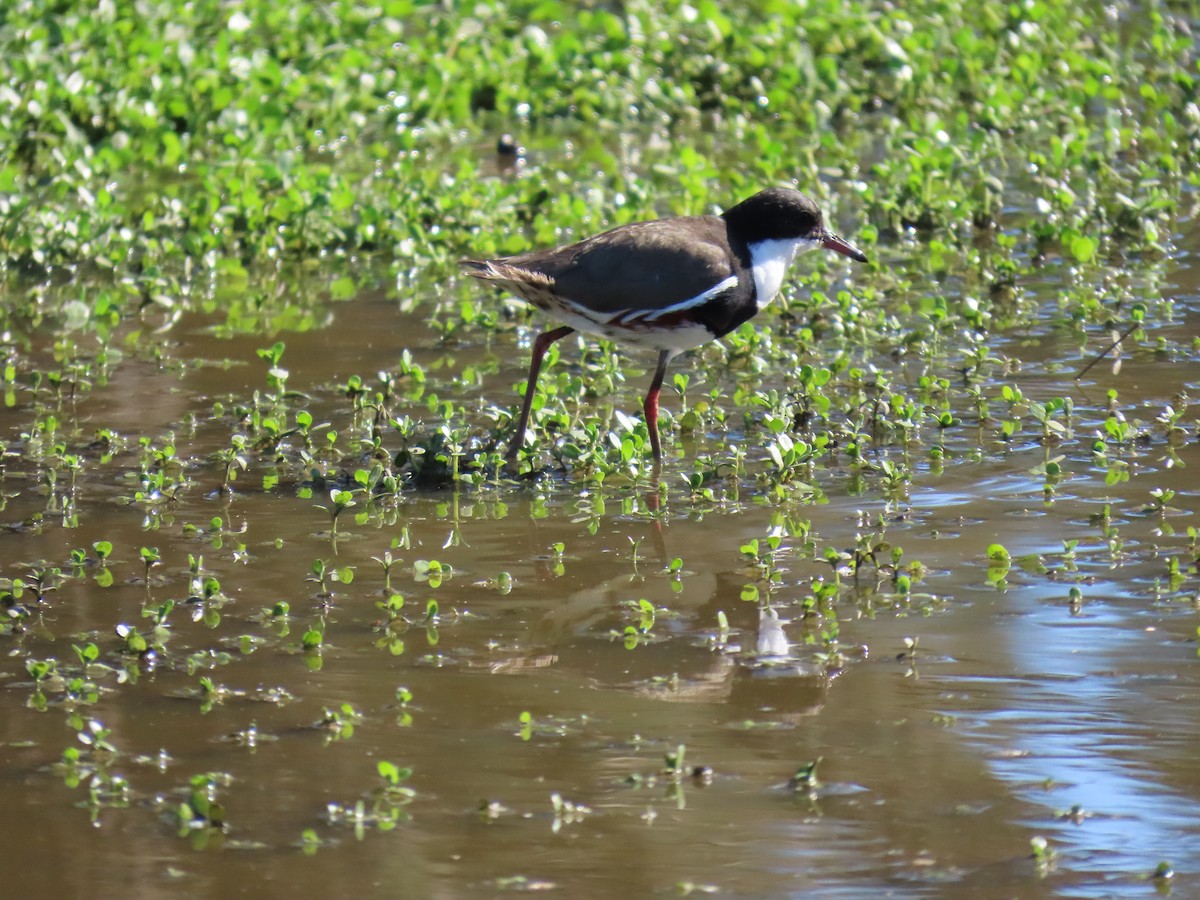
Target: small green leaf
1083,248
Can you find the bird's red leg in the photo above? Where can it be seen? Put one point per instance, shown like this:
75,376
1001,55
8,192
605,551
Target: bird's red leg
540,346
650,407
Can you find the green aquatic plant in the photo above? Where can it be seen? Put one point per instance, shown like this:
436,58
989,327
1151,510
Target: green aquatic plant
150,558
183,184
383,808
134,642
233,459
324,575
339,724
1043,855
314,636
339,501
805,780
431,571
386,562
202,809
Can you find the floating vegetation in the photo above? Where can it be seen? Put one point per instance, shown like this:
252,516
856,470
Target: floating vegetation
254,501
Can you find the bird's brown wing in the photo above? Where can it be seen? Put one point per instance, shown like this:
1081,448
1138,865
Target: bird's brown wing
643,266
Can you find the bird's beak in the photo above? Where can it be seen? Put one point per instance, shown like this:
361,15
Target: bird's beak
831,241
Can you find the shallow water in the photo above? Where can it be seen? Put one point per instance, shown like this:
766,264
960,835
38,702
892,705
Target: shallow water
958,723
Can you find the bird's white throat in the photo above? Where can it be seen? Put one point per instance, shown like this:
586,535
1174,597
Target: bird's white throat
769,261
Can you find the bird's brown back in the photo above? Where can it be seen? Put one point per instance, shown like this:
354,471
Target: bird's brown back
645,265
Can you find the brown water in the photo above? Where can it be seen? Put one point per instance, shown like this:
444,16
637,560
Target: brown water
1019,714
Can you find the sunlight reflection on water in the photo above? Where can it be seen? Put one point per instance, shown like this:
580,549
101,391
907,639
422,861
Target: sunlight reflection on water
1072,731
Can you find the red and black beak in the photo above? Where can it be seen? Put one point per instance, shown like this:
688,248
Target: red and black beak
831,241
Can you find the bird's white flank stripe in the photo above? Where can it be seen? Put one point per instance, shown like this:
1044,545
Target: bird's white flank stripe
627,316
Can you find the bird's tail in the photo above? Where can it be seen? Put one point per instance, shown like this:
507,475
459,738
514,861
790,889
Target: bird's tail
523,282
479,268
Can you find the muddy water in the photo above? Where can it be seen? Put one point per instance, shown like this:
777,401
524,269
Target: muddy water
959,724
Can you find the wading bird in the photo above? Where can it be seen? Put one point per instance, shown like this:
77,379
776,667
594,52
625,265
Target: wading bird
668,284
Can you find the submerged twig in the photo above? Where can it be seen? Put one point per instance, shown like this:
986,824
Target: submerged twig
1109,349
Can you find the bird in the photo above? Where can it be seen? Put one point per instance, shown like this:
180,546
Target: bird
667,284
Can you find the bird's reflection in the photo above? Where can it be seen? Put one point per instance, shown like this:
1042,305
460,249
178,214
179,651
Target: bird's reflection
685,658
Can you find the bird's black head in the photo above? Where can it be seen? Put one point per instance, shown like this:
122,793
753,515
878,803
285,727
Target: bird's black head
776,214
785,214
